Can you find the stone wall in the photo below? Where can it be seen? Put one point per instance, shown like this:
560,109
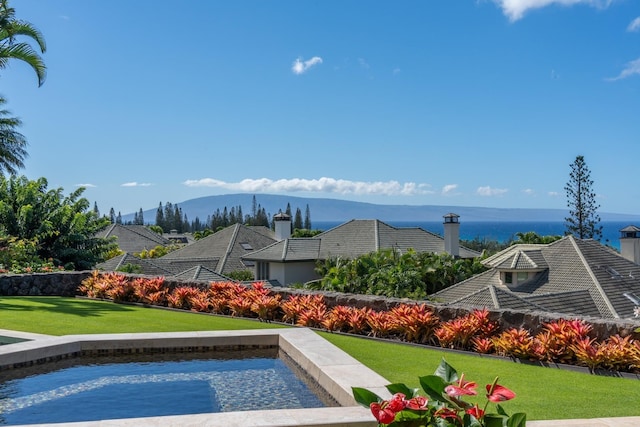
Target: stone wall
66,284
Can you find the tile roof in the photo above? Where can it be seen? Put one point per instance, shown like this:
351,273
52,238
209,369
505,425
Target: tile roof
146,266
581,277
352,239
203,274
133,238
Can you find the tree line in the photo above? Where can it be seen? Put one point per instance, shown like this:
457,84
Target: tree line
171,217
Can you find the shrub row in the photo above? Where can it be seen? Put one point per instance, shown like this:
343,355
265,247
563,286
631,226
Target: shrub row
566,341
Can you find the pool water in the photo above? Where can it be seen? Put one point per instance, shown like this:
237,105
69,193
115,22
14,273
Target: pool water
145,389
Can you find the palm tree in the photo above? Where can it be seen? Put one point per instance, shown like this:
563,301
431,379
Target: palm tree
12,143
10,27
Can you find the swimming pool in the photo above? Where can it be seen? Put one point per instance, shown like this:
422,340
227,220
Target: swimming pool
332,369
125,387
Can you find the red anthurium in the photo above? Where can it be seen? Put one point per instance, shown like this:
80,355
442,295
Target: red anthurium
497,393
476,412
383,414
397,402
417,403
463,387
447,413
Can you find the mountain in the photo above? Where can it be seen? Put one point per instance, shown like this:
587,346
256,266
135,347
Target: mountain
343,210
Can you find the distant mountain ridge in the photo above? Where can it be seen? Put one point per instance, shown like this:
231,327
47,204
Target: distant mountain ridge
325,209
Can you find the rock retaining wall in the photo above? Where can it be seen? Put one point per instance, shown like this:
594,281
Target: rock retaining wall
66,284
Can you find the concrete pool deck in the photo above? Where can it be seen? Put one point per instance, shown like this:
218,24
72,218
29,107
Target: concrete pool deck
331,368
334,370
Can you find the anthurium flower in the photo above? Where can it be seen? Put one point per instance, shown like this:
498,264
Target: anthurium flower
397,402
417,403
463,387
497,393
447,413
475,411
382,413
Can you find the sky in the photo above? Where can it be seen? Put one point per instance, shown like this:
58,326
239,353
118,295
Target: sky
441,102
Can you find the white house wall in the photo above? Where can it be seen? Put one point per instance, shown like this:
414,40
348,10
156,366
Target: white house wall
295,272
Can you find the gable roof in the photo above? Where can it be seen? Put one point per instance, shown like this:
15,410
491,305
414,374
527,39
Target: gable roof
133,238
353,239
223,248
575,276
146,266
202,273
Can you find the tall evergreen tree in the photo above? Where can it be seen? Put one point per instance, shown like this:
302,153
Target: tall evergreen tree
583,220
140,218
160,222
297,219
307,218
119,218
112,216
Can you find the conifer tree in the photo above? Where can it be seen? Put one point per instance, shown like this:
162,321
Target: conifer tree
583,220
112,215
297,219
160,222
307,218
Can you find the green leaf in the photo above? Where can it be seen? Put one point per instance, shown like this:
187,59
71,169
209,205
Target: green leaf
402,388
495,420
365,397
446,372
434,386
470,421
517,420
501,410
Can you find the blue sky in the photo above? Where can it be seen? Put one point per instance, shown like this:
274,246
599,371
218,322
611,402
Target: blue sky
441,102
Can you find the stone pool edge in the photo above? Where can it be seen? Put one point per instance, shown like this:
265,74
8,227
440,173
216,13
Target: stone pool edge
328,365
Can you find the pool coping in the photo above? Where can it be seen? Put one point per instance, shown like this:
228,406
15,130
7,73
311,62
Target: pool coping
333,369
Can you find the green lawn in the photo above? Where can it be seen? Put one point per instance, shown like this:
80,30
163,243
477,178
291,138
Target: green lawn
542,393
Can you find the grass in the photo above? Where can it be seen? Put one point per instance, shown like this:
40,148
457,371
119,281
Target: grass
542,393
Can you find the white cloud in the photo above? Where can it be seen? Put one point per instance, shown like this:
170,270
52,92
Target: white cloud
554,194
634,25
363,63
86,185
300,67
529,192
136,184
488,191
516,9
449,189
630,69
322,185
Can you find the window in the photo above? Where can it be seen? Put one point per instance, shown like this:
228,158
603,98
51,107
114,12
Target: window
246,246
262,272
522,276
508,277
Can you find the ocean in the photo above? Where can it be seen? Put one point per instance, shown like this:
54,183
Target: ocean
499,231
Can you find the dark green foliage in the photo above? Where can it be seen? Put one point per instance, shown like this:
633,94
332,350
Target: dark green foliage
130,268
305,232
62,228
12,143
241,275
297,219
393,274
535,238
583,220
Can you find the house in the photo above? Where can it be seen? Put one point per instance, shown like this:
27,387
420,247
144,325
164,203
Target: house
293,260
569,276
210,258
133,238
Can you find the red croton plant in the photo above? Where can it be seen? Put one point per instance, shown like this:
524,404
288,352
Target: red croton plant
442,404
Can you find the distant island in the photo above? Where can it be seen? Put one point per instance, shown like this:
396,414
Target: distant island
326,209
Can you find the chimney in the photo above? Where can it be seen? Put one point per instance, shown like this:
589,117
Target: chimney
283,225
630,243
452,234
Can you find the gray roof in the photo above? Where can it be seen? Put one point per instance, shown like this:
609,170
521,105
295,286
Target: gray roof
223,248
202,273
581,277
133,238
147,266
353,239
